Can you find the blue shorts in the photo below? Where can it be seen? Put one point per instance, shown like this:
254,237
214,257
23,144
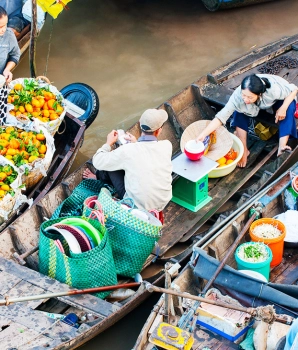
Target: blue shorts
286,127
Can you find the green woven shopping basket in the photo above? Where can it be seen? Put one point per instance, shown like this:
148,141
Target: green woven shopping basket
93,268
132,239
73,205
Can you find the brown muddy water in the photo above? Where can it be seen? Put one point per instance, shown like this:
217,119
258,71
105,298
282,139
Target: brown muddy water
136,54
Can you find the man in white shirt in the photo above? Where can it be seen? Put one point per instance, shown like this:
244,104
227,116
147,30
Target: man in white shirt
140,169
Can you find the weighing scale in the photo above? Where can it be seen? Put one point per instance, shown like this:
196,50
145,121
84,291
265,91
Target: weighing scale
190,190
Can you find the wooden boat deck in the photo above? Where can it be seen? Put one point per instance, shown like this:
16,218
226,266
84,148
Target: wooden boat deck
24,326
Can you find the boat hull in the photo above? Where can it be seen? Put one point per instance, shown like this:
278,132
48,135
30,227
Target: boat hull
214,5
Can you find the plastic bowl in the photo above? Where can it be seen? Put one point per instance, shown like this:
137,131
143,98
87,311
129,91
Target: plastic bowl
194,150
225,170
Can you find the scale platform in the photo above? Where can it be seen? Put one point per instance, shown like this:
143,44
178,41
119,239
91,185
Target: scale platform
190,190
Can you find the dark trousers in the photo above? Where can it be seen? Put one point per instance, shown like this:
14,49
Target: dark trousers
114,178
286,126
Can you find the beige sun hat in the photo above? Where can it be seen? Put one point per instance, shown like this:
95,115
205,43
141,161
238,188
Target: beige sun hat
217,150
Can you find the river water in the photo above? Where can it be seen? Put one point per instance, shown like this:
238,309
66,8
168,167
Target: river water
138,53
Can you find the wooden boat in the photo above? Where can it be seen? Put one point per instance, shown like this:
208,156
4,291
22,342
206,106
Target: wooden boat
214,5
182,228
68,141
207,256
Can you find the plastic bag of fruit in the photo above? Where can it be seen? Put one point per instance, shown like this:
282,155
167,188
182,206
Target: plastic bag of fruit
10,188
34,99
30,149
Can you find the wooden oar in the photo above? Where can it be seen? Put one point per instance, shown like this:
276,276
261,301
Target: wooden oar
252,311
9,300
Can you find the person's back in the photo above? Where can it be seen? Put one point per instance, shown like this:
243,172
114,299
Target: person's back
148,169
140,169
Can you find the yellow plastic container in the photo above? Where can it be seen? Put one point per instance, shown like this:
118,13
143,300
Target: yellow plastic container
275,244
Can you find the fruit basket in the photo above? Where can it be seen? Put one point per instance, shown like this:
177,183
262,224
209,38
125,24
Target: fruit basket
35,99
10,188
30,149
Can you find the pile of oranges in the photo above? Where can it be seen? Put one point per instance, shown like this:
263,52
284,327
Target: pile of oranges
21,147
7,176
32,101
228,158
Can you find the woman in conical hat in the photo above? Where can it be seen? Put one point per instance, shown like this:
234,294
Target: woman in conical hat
257,93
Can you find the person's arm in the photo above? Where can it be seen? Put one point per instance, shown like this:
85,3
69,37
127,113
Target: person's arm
282,111
104,159
13,57
223,115
7,71
215,123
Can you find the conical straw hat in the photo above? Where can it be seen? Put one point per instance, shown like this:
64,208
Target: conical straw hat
217,150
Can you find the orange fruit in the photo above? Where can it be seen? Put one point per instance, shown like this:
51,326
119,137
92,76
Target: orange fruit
12,112
40,137
18,87
4,143
14,143
2,193
5,187
42,149
36,143
28,107
22,109
3,176
50,103
59,109
54,116
3,151
31,159
35,103
11,152
229,161
221,161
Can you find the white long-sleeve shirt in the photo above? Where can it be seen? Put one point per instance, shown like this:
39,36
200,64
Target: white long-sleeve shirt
279,90
147,167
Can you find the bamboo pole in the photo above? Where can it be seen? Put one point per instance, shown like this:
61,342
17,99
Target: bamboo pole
9,300
33,38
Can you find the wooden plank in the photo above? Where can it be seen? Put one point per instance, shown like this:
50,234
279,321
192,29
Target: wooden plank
217,93
24,288
254,58
41,343
8,281
86,302
16,336
26,317
62,331
286,73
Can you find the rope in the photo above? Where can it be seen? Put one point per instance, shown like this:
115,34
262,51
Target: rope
49,48
265,313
